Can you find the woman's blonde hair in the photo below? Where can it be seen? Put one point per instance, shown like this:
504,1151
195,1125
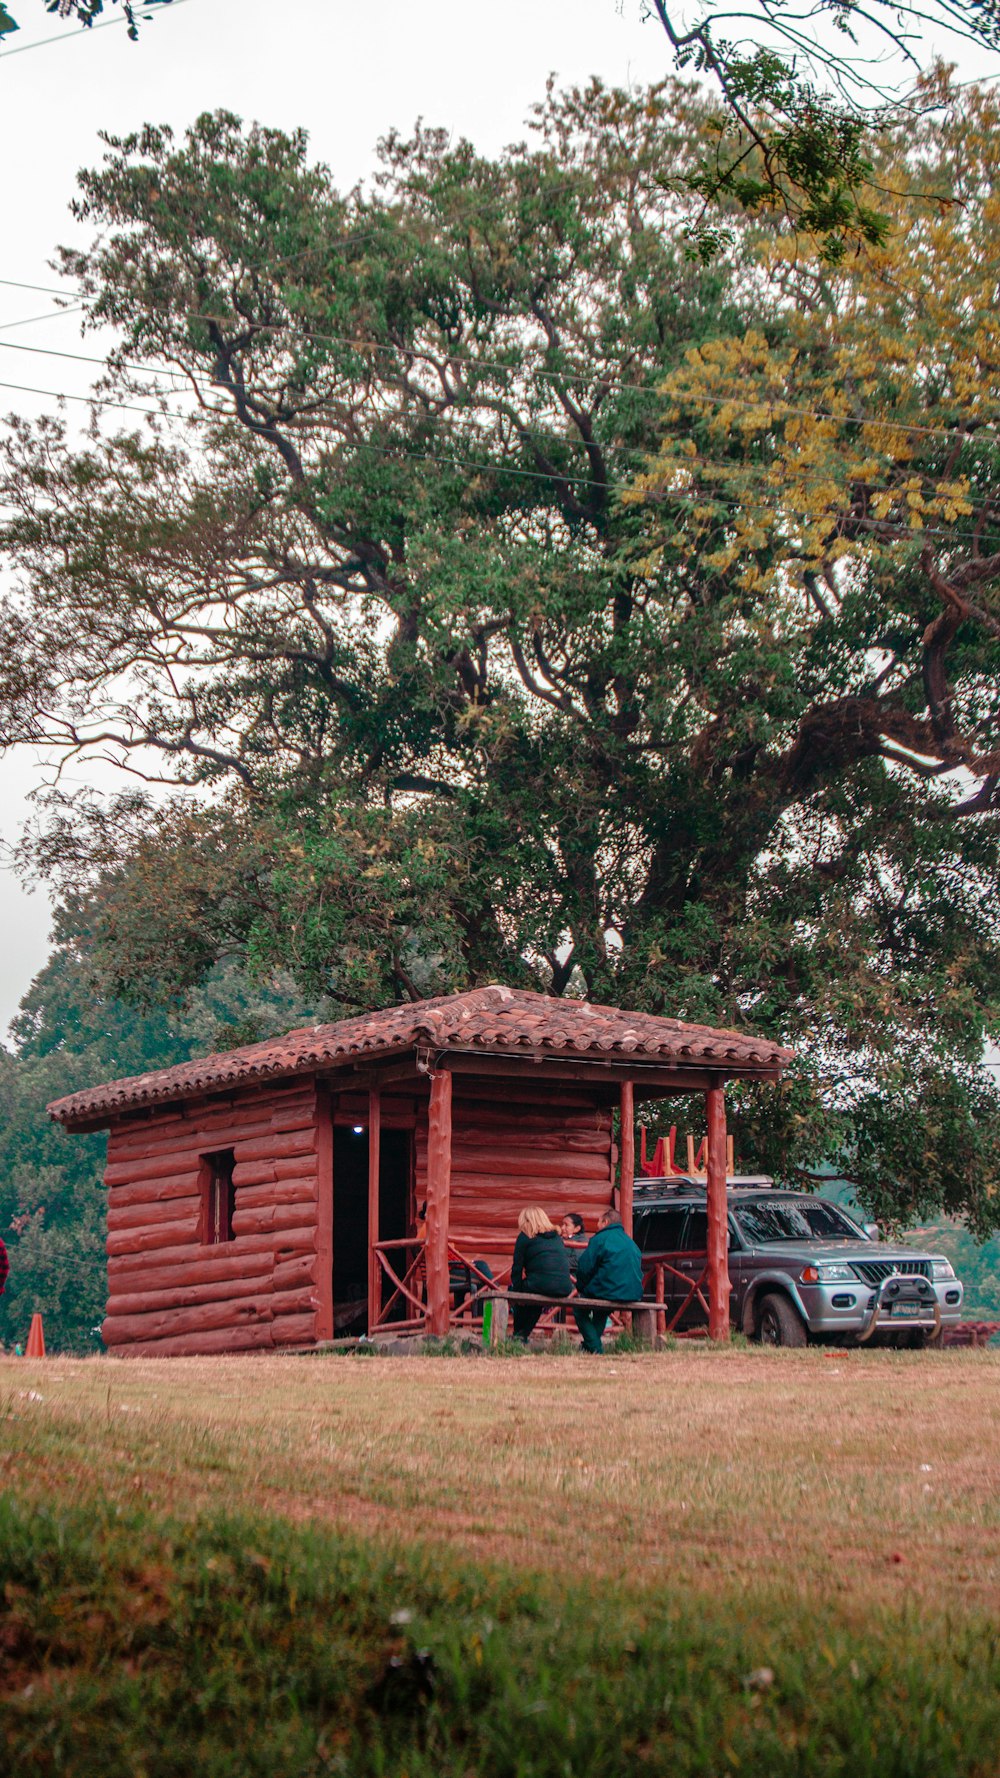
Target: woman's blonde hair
534,1221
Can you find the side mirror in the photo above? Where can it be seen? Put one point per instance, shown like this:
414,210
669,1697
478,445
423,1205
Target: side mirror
871,1230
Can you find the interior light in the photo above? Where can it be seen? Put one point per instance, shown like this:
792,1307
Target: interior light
359,1129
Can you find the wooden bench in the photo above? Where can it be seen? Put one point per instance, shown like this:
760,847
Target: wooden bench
643,1313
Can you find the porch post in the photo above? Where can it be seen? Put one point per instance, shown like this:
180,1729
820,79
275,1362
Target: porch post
718,1216
374,1146
626,1176
324,1214
438,1201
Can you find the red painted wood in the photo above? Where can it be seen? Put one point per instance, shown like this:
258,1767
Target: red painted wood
549,1137
510,1180
439,1119
303,1268
139,1170
282,1244
213,1131
305,1298
480,1166
626,1177
322,1272
154,1191
718,1219
274,1216
296,1166
128,1274
484,1149
168,1323
287,1142
139,1216
145,1240
185,1295
583,1111
536,1087
194,1345
484,1208
279,1191
293,1330
374,1156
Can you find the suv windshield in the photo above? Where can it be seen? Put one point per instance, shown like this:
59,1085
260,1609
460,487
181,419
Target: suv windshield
782,1220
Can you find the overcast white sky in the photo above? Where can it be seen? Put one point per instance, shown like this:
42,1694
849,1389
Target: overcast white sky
343,70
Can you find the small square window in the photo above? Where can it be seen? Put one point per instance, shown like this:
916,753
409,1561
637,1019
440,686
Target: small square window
218,1196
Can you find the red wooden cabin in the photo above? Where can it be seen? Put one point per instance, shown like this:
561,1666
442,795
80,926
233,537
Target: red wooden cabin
268,1196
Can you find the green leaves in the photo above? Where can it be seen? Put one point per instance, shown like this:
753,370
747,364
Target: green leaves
499,618
801,99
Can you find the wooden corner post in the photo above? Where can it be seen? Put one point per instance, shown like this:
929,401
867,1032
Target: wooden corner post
374,1160
626,1139
718,1216
438,1202
324,1214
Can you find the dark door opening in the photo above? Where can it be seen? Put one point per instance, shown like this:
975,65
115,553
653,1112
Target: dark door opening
350,1216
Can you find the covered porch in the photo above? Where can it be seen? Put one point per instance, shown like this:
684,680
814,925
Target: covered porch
550,1065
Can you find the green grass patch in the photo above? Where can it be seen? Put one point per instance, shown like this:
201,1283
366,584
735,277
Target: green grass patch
137,1647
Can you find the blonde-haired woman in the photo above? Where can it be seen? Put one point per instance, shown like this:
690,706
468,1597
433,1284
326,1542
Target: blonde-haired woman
541,1265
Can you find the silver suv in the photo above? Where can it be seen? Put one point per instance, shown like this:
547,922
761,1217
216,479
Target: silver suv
800,1268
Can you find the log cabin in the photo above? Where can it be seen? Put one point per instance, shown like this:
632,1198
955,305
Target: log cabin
268,1197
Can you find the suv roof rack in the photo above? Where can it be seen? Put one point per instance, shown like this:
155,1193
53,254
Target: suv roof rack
687,1182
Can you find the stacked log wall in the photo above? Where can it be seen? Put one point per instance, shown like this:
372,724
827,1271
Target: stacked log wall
514,1146
171,1293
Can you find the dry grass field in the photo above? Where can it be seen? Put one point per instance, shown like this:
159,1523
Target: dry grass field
602,1552
857,1476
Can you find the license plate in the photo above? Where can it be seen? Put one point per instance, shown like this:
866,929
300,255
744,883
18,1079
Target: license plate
906,1308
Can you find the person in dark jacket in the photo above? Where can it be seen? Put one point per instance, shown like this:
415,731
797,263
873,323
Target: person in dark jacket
540,1264
610,1267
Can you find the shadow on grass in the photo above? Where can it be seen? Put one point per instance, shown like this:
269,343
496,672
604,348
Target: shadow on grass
131,1644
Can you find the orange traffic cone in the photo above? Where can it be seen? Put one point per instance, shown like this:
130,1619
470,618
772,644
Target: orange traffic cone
36,1338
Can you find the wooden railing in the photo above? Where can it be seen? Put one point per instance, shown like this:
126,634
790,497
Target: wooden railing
657,1274
404,1310
406,1287
480,1286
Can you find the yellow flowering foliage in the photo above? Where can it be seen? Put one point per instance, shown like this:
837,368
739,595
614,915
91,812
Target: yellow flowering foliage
861,415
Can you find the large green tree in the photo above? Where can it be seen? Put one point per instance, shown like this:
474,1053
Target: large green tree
454,688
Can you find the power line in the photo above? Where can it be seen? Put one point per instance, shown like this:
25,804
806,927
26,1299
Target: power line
46,289
66,36
498,468
153,370
779,409
697,399
151,413
734,473
29,320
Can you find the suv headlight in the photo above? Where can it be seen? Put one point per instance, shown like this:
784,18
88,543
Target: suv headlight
942,1268
828,1272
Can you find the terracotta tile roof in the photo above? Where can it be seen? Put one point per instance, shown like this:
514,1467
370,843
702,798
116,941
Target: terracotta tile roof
495,1019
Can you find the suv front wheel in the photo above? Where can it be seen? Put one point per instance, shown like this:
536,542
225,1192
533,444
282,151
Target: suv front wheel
779,1323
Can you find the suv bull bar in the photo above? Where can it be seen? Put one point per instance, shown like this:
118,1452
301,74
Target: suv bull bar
899,1288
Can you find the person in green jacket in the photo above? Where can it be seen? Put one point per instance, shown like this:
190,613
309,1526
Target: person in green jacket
610,1266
